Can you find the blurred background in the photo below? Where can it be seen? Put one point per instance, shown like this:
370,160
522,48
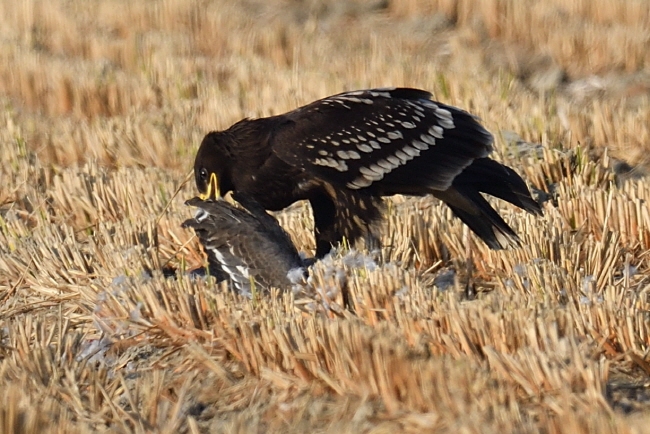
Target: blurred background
139,83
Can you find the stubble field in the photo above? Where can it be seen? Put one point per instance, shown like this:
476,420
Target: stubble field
105,103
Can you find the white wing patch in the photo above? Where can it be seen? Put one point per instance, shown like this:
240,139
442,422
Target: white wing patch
400,131
411,116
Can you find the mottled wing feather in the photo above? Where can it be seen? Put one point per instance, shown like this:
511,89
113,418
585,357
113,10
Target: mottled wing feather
384,138
245,244
215,225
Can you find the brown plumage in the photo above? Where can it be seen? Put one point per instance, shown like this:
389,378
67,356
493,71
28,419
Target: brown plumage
246,246
344,152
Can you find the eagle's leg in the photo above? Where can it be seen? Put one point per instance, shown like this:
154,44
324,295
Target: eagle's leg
324,212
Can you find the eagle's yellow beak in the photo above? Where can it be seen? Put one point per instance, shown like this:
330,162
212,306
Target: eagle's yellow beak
213,189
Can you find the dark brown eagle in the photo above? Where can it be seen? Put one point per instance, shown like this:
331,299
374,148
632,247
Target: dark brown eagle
344,152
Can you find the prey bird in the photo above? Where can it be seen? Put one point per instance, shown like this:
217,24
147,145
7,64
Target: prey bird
246,246
345,152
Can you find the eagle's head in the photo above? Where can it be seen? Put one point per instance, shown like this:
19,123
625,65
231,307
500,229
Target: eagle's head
212,166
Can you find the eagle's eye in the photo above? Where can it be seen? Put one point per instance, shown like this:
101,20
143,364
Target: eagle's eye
203,174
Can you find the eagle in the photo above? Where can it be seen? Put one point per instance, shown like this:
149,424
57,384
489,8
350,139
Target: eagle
246,246
343,153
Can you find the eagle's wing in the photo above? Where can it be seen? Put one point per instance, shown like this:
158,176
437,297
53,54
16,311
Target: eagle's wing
390,139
